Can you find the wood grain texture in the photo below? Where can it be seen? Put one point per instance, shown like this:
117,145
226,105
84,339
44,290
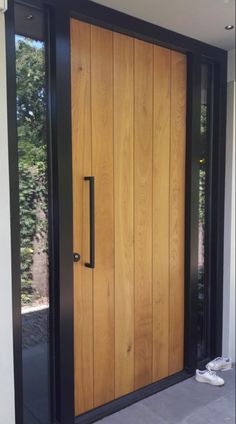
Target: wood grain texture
143,211
128,130
81,145
161,186
177,210
124,219
102,168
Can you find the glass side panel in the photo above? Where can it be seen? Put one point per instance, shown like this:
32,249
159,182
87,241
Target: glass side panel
33,193
203,224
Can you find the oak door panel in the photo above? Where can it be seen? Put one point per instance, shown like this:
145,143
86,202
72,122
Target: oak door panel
177,210
124,211
129,132
81,148
143,109
161,210
102,169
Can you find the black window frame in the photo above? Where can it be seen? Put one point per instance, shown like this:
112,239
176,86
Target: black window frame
60,218
210,289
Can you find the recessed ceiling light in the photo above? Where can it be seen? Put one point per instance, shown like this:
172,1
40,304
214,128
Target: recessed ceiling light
29,17
228,27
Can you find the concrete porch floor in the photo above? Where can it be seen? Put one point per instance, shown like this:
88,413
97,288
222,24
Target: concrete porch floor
188,402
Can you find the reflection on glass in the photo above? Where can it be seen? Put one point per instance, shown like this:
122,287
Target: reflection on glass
33,192
202,224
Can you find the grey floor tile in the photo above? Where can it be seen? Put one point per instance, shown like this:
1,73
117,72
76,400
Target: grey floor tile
220,411
135,414
188,402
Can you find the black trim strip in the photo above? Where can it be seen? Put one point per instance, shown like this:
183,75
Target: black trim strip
61,128
121,403
107,17
121,22
218,194
52,213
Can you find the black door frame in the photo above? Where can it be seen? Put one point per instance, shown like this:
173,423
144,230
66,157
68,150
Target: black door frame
60,164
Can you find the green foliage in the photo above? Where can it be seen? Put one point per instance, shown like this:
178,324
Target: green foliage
30,80
202,206
202,165
203,128
31,128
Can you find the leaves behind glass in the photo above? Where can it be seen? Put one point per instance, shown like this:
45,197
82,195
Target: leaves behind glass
30,83
32,151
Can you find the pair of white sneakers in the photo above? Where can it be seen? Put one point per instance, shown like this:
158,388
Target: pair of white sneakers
209,374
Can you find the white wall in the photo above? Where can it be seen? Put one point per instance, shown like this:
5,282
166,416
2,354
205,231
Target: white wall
229,237
6,343
231,66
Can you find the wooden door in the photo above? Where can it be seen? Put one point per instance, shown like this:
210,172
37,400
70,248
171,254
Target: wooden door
128,128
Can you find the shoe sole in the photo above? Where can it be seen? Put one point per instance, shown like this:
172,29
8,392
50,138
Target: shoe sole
211,384
227,368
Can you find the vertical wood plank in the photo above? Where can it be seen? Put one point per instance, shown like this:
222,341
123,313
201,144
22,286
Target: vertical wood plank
143,211
161,156
102,168
124,226
177,210
81,146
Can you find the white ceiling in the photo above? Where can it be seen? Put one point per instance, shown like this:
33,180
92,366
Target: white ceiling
203,20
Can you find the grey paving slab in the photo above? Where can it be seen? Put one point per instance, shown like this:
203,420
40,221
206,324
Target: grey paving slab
188,402
135,414
220,411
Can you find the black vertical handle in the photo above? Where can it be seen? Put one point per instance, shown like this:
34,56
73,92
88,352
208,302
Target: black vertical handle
91,264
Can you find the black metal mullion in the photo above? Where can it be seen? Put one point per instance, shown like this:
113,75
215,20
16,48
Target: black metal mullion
208,207
191,210
61,109
218,188
52,215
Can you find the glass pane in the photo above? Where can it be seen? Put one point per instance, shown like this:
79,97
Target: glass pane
204,163
33,193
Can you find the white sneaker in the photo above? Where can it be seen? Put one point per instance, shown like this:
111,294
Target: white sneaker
220,364
210,377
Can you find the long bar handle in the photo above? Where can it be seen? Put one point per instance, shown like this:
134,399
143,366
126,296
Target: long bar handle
91,264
